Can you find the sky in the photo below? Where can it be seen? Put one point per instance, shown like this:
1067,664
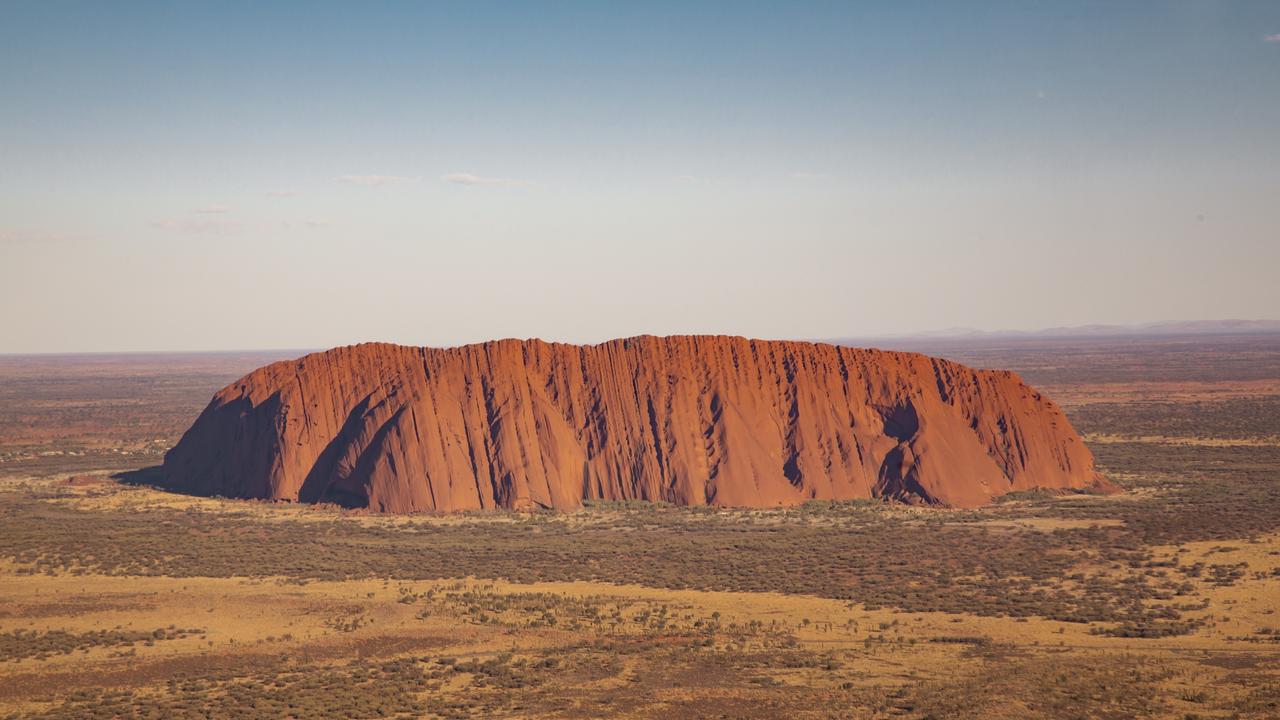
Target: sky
208,176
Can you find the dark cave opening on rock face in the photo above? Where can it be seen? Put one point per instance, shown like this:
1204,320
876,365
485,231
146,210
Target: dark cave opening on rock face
902,422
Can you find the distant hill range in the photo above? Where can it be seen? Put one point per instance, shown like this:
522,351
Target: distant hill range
1161,329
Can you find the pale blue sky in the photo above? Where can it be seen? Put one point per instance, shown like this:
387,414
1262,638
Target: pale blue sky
221,175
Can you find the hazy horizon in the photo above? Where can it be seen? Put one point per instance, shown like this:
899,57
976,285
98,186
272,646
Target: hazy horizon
194,178
913,339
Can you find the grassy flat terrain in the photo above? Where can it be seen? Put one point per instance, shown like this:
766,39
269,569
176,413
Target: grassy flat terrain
120,600
133,618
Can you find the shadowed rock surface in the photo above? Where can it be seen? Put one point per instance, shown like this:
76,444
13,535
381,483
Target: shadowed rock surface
690,420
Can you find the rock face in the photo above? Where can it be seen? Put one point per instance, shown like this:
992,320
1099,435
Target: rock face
688,420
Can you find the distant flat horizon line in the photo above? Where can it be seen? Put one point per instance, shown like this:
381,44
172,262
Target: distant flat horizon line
1172,328
1177,328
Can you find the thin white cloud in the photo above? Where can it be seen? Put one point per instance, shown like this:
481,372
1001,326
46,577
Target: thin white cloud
281,193
373,180
212,210
306,224
12,236
200,226
692,180
469,179
810,176
225,226
1272,38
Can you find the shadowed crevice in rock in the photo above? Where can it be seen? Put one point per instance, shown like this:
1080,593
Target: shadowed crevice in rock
316,485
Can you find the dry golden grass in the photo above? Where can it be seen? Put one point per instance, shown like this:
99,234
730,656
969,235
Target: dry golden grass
1269,441
253,629
1076,394
879,662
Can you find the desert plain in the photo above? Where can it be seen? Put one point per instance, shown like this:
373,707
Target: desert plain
119,599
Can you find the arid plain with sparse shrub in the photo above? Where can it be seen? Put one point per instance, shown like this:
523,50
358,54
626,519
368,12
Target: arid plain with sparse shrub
121,600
